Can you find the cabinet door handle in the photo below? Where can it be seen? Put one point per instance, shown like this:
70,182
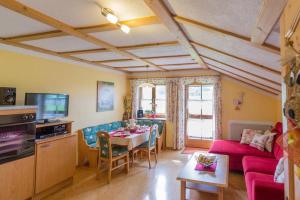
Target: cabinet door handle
45,145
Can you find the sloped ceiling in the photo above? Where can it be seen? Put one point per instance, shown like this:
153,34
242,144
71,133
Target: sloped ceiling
220,32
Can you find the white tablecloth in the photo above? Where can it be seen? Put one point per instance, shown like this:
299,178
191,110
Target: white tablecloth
131,141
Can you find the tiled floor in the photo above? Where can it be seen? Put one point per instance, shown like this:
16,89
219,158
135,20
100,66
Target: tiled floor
142,183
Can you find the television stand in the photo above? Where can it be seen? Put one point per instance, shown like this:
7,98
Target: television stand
48,121
53,129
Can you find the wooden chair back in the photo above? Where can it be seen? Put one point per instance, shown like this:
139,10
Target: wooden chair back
105,148
152,136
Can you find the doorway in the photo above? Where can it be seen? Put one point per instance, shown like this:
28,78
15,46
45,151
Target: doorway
199,118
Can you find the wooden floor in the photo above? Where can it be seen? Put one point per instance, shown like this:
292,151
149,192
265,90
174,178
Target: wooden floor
141,183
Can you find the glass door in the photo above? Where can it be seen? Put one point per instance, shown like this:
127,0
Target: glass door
199,115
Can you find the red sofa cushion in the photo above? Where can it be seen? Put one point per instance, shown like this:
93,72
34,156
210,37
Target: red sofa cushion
236,152
262,186
278,141
259,164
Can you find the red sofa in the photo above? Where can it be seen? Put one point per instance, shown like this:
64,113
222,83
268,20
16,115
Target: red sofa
258,166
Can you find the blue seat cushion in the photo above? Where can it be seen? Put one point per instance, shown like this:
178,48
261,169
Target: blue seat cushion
119,150
144,145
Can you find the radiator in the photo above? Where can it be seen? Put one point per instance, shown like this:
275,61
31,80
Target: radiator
235,127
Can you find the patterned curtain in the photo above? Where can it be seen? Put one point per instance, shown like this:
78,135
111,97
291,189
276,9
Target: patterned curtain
174,114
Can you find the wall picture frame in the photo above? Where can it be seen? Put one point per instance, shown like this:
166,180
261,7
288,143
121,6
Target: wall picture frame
105,96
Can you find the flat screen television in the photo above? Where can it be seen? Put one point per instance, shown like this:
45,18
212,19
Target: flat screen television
49,106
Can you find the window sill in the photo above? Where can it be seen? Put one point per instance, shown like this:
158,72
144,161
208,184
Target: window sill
155,118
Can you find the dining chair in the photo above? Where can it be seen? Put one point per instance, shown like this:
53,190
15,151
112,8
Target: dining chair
150,146
111,154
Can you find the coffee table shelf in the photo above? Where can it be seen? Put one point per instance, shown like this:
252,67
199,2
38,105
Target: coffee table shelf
211,182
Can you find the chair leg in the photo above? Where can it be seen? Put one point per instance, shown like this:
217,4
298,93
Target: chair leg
149,157
141,155
127,163
109,171
132,157
155,154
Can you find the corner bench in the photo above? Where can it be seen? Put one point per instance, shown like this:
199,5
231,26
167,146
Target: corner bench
87,139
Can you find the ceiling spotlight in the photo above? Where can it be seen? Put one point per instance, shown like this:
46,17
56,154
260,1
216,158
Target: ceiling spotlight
109,15
125,28
112,18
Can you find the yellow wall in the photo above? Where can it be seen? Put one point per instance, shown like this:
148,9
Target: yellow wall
35,74
257,105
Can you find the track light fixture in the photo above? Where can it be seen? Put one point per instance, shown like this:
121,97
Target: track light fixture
109,15
125,28
112,18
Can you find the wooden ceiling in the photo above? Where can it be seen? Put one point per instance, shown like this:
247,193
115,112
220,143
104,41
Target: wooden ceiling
237,38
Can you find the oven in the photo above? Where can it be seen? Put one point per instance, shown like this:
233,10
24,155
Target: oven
17,136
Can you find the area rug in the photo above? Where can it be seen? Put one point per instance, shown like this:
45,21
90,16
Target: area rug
191,150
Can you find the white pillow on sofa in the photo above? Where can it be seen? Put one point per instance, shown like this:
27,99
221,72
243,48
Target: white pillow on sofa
259,141
248,135
279,172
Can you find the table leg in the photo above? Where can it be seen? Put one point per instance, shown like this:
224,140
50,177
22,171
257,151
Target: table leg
182,190
221,193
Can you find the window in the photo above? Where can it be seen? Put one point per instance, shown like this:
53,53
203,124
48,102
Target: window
200,123
153,99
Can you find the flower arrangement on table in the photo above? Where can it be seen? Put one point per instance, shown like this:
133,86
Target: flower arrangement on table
206,162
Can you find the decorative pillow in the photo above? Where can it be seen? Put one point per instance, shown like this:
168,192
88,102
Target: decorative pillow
259,141
269,142
248,135
279,172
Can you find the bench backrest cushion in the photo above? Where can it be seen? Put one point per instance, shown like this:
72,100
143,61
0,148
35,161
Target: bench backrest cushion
90,133
151,122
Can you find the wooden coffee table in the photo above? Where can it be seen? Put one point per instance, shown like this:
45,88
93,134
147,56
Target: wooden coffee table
212,182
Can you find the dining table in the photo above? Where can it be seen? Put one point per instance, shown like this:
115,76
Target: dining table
131,139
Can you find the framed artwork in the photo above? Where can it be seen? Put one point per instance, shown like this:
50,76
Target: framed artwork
105,96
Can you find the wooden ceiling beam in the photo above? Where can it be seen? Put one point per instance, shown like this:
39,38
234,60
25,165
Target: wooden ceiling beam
178,64
36,15
52,53
86,51
145,58
170,56
162,12
269,14
88,29
174,43
111,61
245,80
265,78
221,32
270,69
131,47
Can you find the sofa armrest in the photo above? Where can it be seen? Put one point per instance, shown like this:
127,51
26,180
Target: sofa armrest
262,190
